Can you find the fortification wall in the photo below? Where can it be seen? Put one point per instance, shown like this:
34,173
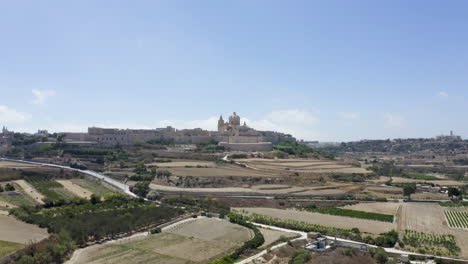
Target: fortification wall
247,147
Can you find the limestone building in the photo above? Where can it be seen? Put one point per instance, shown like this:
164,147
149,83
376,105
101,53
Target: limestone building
231,134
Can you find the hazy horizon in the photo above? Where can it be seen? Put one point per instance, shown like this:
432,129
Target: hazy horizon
325,70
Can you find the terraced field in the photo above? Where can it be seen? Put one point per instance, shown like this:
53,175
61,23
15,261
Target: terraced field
7,247
51,189
93,186
196,241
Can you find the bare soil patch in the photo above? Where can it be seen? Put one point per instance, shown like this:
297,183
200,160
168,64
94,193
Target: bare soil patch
16,231
369,226
177,164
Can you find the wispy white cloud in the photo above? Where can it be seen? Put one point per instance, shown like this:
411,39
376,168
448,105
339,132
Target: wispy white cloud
41,96
392,120
442,94
350,115
11,116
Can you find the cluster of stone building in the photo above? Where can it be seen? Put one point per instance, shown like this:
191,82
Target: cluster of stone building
231,135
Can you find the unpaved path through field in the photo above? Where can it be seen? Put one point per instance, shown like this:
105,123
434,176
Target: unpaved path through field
31,191
75,188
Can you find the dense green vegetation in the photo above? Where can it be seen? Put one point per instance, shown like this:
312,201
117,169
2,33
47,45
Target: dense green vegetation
87,220
350,213
443,245
453,204
55,249
423,177
197,204
253,243
353,177
141,188
301,150
301,256
211,147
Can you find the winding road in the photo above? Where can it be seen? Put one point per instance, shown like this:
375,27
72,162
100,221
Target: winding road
119,185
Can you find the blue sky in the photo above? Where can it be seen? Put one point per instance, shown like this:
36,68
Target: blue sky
321,70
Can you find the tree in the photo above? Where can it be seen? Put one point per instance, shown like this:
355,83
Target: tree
408,190
1,188
95,198
381,256
452,191
9,187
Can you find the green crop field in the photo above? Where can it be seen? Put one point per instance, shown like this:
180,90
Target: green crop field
444,245
93,186
457,219
7,247
18,200
50,188
352,213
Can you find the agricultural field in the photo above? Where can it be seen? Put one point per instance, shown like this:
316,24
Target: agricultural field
441,245
383,179
13,230
377,207
194,241
218,171
457,218
330,190
51,189
301,165
75,189
93,186
31,191
430,218
183,164
351,213
369,226
17,165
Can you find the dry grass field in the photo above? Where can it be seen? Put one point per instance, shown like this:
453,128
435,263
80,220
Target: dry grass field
384,179
196,241
429,218
19,232
369,226
273,235
301,165
182,164
30,190
218,171
75,188
95,187
312,191
16,165
378,207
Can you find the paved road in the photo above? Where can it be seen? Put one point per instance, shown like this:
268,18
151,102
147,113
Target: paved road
122,186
